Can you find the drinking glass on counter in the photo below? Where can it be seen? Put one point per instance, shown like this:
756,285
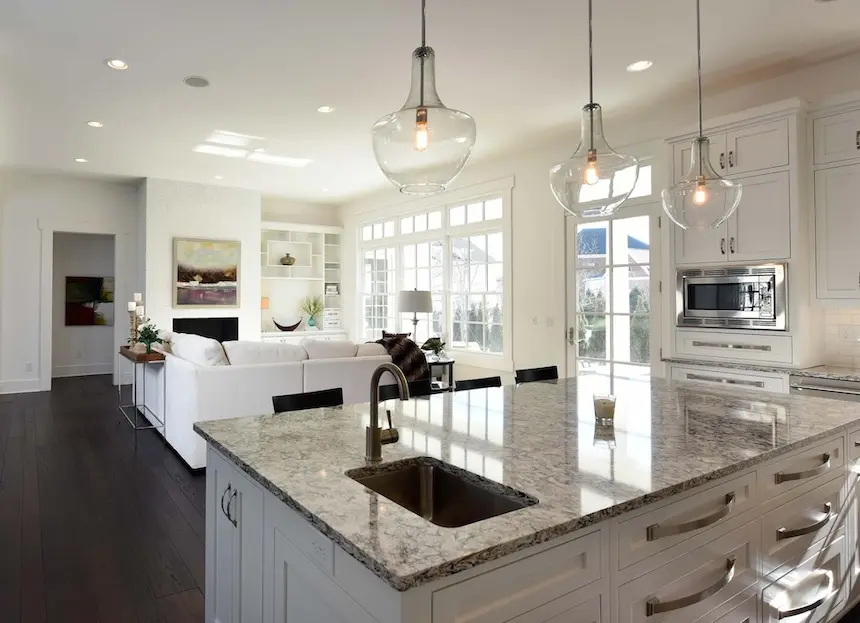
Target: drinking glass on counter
604,408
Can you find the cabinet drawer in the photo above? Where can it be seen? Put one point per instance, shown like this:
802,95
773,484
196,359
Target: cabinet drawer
837,137
767,348
735,378
694,584
786,474
813,590
562,610
757,147
643,536
854,445
502,594
745,612
789,531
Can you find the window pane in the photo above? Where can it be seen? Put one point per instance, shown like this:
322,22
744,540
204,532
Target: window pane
475,212
409,256
420,222
423,250
495,280
478,248
437,282
437,250
438,312
389,228
643,184
624,181
459,250
493,209
367,232
592,243
631,239
495,338
476,308
457,216
377,231
631,290
592,288
423,282
380,259
475,336
631,338
494,309
478,278
434,220
495,250
591,336
409,279
406,225
459,277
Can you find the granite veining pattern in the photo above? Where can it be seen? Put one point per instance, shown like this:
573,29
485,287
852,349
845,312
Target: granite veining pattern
538,438
833,373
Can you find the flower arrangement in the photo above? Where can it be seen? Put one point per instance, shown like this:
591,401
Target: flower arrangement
148,335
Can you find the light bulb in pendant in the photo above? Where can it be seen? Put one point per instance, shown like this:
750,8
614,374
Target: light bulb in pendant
591,174
700,195
420,129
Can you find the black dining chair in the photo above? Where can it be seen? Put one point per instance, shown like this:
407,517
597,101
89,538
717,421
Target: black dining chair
530,375
467,384
416,389
308,400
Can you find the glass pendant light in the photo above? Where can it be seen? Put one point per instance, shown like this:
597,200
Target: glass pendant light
595,180
423,146
702,198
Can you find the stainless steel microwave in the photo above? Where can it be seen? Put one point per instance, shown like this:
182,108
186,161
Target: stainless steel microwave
734,297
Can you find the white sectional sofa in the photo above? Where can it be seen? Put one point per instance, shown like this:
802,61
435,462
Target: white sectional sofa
205,381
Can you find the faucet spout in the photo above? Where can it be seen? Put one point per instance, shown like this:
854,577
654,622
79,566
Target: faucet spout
373,435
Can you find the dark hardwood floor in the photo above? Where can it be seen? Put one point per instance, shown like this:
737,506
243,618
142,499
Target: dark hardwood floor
90,529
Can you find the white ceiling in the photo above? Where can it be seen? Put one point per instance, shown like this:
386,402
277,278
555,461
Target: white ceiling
519,67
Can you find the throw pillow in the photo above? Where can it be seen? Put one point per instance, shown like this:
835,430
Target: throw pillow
386,334
329,349
244,353
203,351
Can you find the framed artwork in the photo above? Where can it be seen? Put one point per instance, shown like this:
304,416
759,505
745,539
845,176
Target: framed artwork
206,272
89,301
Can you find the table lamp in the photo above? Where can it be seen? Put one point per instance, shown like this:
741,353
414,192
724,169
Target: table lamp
416,302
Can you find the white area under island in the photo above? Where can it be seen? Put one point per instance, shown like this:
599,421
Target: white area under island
704,506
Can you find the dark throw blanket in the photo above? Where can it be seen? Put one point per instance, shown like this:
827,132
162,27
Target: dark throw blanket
406,355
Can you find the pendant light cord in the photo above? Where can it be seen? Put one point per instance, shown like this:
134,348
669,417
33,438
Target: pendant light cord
423,45
699,57
590,75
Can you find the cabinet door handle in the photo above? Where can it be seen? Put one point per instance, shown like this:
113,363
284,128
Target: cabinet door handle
226,491
732,244
781,477
731,158
784,614
229,509
782,533
858,139
762,347
718,379
723,160
723,246
655,606
656,531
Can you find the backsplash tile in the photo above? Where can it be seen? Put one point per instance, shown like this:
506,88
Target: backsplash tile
839,351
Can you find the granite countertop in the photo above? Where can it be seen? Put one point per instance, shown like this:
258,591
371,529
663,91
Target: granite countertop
833,373
538,438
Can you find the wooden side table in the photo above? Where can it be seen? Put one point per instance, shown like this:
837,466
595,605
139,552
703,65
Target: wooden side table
140,407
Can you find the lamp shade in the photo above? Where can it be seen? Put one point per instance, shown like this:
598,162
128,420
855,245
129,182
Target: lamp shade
415,301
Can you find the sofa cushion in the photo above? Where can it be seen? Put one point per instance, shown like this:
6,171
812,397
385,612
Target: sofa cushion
203,351
243,353
371,349
329,349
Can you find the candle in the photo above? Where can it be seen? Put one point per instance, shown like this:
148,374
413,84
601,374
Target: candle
604,408
140,311
138,297
132,306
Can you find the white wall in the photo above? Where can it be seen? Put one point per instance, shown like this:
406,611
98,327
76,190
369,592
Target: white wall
78,350
286,211
180,209
32,208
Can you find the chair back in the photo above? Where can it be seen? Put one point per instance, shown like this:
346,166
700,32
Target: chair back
467,384
308,400
530,375
416,388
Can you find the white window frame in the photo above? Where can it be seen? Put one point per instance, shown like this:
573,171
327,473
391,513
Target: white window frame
501,188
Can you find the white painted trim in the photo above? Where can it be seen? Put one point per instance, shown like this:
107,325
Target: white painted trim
314,229
750,116
21,386
82,370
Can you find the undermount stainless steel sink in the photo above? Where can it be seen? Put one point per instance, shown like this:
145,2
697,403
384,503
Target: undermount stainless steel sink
439,492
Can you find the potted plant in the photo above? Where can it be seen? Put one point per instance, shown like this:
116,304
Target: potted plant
434,344
148,335
313,306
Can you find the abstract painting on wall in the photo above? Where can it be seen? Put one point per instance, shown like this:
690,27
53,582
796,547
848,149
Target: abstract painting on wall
206,272
89,301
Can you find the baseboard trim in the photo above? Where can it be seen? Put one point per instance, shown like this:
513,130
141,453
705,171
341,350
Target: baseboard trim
22,386
85,369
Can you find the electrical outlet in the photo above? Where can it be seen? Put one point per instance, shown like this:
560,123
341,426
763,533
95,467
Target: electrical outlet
28,366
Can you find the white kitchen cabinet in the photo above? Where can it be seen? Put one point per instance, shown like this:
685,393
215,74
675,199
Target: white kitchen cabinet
837,221
683,150
234,552
693,246
736,378
760,229
837,137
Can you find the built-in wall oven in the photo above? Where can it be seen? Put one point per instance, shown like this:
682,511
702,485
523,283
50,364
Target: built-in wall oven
733,297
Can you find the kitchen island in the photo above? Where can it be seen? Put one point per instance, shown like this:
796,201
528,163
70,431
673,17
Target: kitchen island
700,504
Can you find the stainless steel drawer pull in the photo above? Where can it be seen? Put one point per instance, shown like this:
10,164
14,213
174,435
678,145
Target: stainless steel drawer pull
857,443
832,390
656,531
761,347
230,510
782,533
655,606
793,612
717,379
781,477
223,495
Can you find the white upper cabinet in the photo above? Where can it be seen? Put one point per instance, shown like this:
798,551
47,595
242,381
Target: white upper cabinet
837,137
837,221
760,229
757,148
683,150
701,246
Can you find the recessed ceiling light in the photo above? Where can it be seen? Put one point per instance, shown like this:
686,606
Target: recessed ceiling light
95,124
461,139
198,82
219,177
115,63
325,109
639,66
81,160
325,190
